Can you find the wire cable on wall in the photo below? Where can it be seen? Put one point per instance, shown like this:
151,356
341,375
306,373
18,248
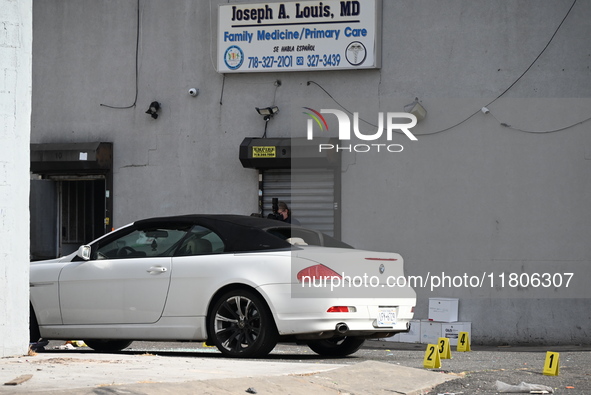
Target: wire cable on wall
540,131
137,44
495,99
211,50
537,57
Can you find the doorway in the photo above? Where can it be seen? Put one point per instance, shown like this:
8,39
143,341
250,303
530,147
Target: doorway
71,196
81,213
312,194
65,214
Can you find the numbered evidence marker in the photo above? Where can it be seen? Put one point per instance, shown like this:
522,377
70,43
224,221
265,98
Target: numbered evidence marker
444,348
463,342
432,359
552,364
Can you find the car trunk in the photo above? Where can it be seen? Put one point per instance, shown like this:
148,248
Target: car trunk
350,273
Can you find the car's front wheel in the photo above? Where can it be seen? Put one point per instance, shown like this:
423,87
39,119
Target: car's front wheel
336,347
34,334
107,345
241,325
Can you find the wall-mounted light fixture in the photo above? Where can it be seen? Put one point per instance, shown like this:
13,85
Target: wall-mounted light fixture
153,110
267,112
416,109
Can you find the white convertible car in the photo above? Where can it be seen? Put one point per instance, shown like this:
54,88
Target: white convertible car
239,283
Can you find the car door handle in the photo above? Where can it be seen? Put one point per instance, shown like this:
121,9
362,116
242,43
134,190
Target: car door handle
158,269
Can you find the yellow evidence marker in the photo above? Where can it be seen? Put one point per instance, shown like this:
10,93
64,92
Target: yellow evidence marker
432,359
552,364
444,348
463,342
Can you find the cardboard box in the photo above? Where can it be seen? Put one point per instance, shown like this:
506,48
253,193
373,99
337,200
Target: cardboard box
443,309
430,332
451,331
412,336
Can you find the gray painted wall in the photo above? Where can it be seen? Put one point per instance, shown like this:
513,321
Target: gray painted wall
479,198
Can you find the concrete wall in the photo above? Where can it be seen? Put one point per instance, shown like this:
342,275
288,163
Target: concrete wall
186,161
482,199
15,118
478,198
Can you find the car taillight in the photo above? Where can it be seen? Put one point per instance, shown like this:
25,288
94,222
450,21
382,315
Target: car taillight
341,309
412,309
316,272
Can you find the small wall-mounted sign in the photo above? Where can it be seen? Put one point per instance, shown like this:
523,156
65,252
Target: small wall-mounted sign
264,152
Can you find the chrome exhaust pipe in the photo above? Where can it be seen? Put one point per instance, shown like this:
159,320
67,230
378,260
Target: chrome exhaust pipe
341,327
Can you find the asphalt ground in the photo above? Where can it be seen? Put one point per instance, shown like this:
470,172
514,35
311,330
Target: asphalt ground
371,370
477,371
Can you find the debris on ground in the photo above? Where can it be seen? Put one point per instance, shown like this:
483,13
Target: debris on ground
64,347
77,343
524,387
19,379
38,346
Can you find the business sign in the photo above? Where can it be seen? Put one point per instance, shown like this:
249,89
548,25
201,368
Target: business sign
299,36
264,152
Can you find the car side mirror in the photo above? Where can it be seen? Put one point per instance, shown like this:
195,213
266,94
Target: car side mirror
84,252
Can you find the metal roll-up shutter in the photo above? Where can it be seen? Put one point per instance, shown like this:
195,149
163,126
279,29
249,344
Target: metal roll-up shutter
311,194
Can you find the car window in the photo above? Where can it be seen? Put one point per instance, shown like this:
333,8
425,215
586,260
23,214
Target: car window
201,241
309,237
306,236
141,243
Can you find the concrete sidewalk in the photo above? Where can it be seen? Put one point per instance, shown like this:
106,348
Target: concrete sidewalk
93,373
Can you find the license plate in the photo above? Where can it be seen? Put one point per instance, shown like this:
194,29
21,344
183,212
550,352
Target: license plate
386,317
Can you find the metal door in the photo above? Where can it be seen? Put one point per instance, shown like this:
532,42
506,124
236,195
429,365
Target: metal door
43,210
81,212
311,194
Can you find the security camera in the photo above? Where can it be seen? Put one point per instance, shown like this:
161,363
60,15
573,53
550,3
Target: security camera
485,110
193,92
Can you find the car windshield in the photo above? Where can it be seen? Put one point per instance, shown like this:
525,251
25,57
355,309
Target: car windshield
141,243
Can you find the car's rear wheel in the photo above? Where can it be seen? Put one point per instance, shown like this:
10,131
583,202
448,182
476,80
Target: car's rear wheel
107,345
336,347
241,325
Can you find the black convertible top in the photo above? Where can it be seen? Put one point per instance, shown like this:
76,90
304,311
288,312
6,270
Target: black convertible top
239,232
243,220
242,233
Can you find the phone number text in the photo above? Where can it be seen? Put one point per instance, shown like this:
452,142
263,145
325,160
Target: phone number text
287,61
